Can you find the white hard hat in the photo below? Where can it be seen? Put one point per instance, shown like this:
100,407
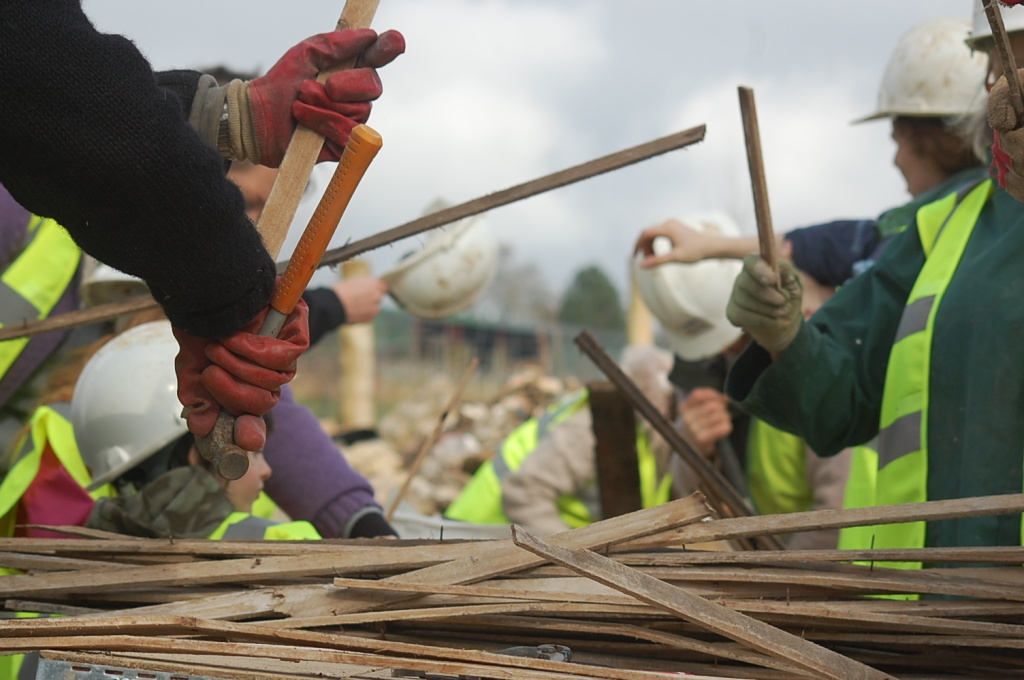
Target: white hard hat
980,37
932,73
689,300
125,406
101,284
452,271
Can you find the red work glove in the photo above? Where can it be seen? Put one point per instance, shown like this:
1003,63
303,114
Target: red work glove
332,108
242,373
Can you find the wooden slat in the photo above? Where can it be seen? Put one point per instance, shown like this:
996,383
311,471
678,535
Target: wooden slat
747,527
555,180
733,625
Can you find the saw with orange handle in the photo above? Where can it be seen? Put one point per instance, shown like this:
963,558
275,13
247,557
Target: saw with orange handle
219,448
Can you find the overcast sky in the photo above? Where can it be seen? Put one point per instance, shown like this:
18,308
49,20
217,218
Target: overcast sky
492,93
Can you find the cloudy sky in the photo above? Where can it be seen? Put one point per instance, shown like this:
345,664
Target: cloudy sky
492,93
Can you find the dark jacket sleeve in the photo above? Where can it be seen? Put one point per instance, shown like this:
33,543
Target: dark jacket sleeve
827,385
829,251
325,312
96,144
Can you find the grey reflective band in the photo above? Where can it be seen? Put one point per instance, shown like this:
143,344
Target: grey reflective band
14,308
915,318
250,528
501,468
899,439
544,422
26,448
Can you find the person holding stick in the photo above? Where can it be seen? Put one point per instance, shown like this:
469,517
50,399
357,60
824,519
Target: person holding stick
97,141
917,361
931,84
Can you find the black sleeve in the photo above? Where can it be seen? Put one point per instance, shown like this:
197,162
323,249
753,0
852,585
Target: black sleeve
370,525
828,251
96,144
183,84
325,312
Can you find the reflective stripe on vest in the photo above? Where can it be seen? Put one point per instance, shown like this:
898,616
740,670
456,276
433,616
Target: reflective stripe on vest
893,468
48,425
242,526
481,499
34,283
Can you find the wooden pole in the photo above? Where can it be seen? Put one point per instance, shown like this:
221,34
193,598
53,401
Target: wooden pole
358,360
765,233
639,320
592,168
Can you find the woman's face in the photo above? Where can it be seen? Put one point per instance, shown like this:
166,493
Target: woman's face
919,172
244,491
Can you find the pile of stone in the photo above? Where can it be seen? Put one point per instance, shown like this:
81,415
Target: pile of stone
472,433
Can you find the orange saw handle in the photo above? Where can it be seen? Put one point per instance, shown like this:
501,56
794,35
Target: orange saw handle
219,447
362,147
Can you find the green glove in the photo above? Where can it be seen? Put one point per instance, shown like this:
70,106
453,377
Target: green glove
186,502
769,311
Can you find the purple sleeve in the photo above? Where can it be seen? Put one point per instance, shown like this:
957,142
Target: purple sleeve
311,479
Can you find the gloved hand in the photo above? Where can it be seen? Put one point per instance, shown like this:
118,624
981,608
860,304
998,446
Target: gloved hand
769,311
243,373
1008,148
333,108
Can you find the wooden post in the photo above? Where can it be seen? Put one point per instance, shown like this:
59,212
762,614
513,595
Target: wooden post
639,321
358,359
615,455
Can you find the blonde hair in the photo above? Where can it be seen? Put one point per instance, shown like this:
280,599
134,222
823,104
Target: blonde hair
648,366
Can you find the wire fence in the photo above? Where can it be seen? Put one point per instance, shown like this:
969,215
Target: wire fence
411,352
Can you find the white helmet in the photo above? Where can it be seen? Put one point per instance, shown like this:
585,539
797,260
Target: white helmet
690,299
932,73
125,406
101,284
451,272
980,37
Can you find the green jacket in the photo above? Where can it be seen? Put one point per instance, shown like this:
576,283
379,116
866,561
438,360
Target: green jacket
827,386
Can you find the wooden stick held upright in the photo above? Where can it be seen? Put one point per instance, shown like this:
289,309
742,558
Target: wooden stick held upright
1006,58
765,233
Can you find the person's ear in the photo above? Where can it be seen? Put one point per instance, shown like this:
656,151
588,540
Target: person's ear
193,456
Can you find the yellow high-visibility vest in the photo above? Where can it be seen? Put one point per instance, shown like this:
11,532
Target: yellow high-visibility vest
893,468
480,500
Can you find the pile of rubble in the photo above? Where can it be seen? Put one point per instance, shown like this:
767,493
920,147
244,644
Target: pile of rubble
472,434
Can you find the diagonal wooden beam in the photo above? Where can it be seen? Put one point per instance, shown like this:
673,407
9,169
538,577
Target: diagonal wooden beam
757,635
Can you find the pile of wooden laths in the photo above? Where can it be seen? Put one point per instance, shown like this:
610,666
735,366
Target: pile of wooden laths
626,596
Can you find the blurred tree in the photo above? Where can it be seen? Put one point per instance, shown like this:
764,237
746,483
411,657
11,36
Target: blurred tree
592,301
519,293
